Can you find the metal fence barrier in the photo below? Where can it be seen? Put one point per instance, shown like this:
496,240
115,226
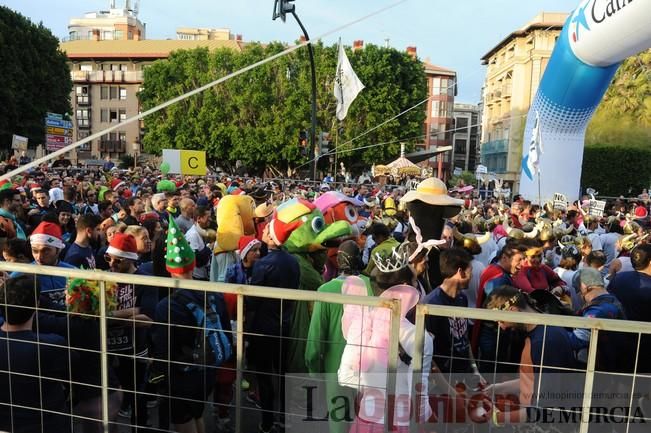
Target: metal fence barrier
241,291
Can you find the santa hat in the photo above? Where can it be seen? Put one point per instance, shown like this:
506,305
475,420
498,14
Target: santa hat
287,219
280,231
124,246
245,244
5,184
179,257
48,234
641,212
34,187
117,183
148,216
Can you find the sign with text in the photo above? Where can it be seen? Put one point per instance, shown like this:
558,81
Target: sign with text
597,208
54,130
18,142
560,201
186,162
58,132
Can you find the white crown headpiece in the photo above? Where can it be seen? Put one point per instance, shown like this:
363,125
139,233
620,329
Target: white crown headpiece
398,259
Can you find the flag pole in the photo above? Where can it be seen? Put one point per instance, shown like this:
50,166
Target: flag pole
335,119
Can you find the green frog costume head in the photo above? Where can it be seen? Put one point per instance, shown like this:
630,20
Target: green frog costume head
299,226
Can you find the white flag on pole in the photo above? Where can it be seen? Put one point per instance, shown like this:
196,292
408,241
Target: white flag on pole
347,85
532,161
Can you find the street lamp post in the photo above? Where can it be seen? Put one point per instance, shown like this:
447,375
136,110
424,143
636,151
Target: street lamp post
136,149
281,8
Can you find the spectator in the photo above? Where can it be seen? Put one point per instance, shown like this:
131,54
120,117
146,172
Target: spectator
186,218
81,253
130,337
546,346
198,243
159,203
452,354
271,321
187,382
46,245
10,204
326,343
38,365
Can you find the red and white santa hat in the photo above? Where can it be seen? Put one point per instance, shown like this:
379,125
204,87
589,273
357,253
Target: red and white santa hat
245,244
117,183
641,212
47,234
35,187
280,231
124,246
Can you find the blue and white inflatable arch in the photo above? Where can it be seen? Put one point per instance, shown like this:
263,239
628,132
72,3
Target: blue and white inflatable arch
596,38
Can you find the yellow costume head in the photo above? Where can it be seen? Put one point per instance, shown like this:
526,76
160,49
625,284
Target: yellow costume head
234,219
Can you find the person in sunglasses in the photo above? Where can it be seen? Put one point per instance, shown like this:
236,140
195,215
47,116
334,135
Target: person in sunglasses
129,338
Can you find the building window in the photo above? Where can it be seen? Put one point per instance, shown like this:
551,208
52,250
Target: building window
462,124
82,113
113,116
103,115
130,35
113,92
104,92
107,35
435,108
444,87
80,136
460,146
123,93
86,67
122,115
119,34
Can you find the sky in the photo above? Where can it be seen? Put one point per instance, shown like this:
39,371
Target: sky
453,34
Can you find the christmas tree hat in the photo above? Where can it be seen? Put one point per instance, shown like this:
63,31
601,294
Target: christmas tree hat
179,257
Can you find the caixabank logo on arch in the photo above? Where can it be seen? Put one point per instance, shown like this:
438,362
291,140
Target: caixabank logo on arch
600,29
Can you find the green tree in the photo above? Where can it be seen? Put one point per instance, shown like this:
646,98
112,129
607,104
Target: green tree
624,115
36,77
465,178
256,117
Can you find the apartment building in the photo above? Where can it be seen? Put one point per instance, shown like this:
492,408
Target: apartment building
439,119
112,24
201,34
515,67
467,126
107,75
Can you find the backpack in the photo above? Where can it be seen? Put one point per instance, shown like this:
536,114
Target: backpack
212,347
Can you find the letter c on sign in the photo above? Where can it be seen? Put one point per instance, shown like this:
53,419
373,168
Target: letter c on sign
192,162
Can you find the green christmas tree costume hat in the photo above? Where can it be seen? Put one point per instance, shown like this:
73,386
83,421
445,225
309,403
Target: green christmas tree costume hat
179,256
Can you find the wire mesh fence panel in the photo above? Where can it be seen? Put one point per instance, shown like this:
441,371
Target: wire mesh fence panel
234,358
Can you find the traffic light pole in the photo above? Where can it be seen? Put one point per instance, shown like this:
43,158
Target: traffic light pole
310,50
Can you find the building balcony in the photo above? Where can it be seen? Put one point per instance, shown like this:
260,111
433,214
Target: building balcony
112,146
495,147
83,123
126,77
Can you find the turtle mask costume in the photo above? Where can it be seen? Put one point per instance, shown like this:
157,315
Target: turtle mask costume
307,240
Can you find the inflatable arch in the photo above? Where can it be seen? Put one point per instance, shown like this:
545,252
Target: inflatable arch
596,38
